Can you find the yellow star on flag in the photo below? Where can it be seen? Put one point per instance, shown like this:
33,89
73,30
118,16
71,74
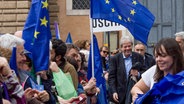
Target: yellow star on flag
132,12
36,33
113,10
45,4
44,21
134,2
128,19
119,17
107,1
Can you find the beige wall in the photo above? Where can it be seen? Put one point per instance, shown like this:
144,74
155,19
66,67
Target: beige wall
77,25
13,14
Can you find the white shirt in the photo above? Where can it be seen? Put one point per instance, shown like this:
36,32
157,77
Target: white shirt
148,75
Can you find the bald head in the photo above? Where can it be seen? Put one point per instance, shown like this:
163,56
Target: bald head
18,34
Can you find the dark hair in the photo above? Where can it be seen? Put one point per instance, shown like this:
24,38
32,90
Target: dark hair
73,62
71,46
172,49
137,66
103,47
59,47
81,44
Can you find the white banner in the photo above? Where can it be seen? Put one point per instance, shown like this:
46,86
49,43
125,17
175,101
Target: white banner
100,25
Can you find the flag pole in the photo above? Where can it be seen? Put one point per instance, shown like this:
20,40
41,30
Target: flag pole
92,45
38,79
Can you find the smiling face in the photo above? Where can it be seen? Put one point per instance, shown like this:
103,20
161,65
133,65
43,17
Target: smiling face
164,61
126,48
20,57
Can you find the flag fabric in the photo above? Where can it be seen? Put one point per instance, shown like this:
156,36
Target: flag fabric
169,90
5,90
13,63
57,30
98,72
36,86
37,34
129,13
69,38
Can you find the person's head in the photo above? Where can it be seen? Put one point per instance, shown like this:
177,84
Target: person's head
18,34
8,41
179,37
83,44
104,51
72,51
126,43
169,58
5,52
58,50
74,62
140,48
137,66
114,52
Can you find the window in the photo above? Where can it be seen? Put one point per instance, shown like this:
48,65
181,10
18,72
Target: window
77,7
80,4
114,39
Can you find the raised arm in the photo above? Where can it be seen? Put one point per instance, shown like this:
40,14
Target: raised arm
139,88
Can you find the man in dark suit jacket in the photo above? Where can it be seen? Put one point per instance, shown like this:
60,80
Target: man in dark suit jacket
149,61
120,70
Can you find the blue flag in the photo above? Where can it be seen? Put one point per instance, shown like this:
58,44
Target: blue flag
69,38
37,34
129,13
98,72
36,86
169,90
57,30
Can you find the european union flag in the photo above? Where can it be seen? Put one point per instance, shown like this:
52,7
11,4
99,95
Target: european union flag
169,90
129,13
98,72
37,34
69,38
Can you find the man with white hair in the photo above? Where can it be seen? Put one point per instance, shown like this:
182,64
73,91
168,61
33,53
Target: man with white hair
120,70
10,41
179,37
14,88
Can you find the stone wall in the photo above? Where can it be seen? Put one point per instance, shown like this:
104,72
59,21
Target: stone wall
13,14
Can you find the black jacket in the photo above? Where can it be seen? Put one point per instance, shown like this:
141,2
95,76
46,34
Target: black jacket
149,61
117,75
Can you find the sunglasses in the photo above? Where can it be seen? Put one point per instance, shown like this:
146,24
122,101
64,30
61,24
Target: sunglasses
105,52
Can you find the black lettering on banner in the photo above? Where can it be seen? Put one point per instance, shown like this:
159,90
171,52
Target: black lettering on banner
94,23
100,23
116,24
112,23
106,23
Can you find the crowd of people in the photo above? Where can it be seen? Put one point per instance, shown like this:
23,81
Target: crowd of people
128,71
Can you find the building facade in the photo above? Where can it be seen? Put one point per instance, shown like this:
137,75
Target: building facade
73,16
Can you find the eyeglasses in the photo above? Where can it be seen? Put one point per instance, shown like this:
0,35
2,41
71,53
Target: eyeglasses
105,52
